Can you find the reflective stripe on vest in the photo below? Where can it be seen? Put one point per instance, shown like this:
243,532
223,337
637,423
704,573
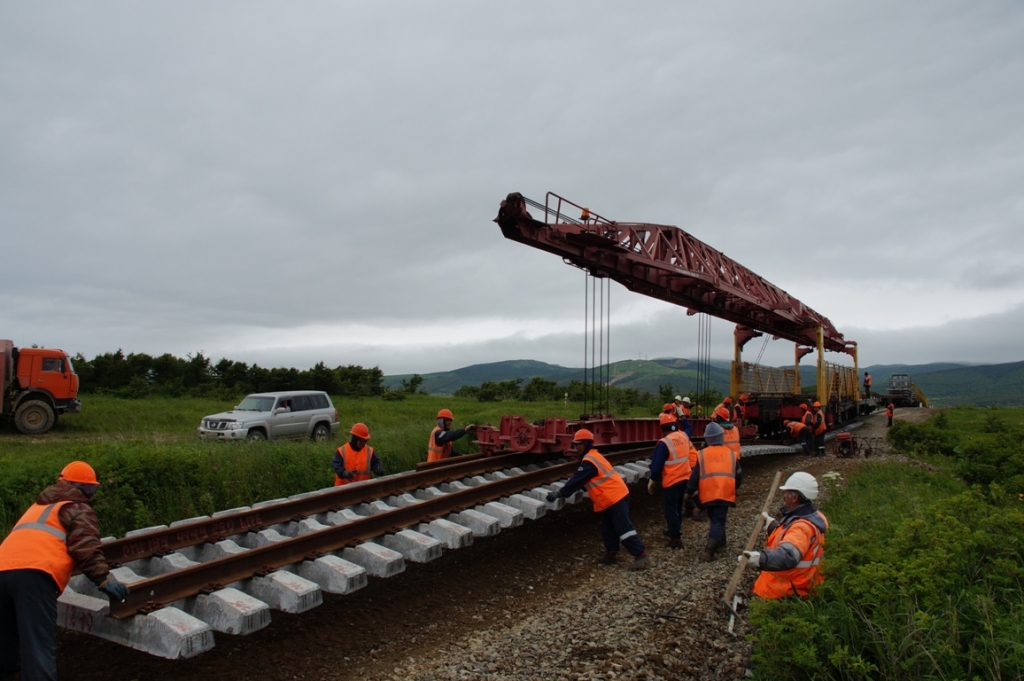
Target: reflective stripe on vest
607,487
46,552
731,439
717,483
434,452
677,466
800,579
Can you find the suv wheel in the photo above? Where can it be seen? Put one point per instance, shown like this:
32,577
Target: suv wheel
255,435
321,433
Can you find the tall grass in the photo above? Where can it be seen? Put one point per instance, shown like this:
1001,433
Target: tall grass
924,580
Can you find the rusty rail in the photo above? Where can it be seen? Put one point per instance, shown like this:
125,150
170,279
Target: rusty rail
156,592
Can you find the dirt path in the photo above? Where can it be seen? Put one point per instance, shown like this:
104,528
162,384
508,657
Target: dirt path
527,604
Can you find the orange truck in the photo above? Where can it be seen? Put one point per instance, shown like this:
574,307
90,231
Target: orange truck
39,384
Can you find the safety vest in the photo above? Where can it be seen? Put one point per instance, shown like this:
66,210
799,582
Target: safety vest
888,411
737,414
434,452
799,580
815,420
867,380
795,429
357,463
717,474
607,487
686,410
677,466
38,542
731,439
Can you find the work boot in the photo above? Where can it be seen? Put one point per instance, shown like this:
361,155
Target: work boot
640,562
674,543
709,550
608,559
701,517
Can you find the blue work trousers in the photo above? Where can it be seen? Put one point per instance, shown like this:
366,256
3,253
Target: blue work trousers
808,441
28,624
673,500
617,528
718,512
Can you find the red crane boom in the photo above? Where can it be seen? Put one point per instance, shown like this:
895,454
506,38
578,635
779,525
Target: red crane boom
664,262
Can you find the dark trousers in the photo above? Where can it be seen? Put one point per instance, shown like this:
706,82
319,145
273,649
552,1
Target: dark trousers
617,528
28,624
808,441
673,500
718,512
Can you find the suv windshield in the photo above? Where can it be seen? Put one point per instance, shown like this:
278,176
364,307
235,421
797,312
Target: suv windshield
252,403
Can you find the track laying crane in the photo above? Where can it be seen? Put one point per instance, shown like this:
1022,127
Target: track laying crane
667,263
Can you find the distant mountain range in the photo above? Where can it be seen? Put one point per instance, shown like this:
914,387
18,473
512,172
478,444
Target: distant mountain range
944,383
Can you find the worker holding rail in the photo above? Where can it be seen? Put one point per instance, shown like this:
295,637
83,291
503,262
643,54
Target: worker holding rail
439,445
682,411
56,535
715,479
610,496
355,460
797,433
795,545
670,468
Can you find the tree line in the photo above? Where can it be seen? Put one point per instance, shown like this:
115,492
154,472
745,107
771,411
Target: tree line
139,375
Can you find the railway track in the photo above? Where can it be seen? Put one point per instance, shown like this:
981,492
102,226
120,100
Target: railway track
226,573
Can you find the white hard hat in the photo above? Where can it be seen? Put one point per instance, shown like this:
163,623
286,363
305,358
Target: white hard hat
678,398
803,483
686,400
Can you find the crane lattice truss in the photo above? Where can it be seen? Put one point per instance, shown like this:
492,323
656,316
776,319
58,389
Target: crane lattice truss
664,262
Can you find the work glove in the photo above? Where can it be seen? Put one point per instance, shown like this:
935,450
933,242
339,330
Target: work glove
768,520
471,428
552,497
753,558
348,475
651,486
115,589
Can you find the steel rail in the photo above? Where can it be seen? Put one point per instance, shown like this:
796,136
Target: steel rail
163,541
158,591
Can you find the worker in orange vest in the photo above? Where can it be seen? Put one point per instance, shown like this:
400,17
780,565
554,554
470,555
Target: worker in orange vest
355,460
56,535
795,544
715,479
739,411
797,431
889,410
867,385
610,496
815,422
670,468
682,412
439,445
731,438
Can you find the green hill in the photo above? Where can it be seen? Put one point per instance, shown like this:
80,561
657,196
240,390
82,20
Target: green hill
983,386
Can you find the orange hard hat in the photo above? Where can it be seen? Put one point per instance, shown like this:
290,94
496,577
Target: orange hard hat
743,398
445,414
804,406
360,430
817,405
668,407
583,434
667,418
727,400
79,471
722,413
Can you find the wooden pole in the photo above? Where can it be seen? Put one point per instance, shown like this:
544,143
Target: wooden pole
751,543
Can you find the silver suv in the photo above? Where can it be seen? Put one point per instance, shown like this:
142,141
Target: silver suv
269,416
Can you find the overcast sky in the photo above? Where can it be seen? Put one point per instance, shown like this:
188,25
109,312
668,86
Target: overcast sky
284,183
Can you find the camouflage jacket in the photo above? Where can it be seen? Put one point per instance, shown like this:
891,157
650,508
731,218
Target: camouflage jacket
83,534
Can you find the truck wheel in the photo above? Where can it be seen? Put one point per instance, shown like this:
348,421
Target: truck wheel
321,433
34,417
255,435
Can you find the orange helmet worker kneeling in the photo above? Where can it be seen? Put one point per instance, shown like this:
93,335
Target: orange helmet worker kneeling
356,460
610,496
439,445
56,535
795,545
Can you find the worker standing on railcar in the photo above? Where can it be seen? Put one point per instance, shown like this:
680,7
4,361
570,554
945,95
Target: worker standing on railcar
731,438
715,479
795,544
867,386
56,535
439,446
356,460
739,411
610,496
670,468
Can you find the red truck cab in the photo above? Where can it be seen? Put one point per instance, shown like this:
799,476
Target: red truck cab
38,384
